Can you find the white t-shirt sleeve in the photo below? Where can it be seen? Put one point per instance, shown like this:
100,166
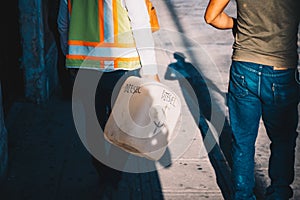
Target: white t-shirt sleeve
141,28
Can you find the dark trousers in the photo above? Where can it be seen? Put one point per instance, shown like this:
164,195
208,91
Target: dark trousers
106,93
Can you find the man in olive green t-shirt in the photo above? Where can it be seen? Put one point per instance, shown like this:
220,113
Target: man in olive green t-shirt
262,85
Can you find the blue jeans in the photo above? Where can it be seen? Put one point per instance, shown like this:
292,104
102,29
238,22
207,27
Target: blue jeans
257,91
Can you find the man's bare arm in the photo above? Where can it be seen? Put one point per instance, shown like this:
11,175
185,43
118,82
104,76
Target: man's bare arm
215,15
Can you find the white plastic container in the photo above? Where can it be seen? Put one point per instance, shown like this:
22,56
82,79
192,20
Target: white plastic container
143,118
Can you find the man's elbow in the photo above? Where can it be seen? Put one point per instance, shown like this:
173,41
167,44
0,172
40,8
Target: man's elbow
208,19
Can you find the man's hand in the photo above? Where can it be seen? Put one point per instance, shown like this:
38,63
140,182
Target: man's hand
153,77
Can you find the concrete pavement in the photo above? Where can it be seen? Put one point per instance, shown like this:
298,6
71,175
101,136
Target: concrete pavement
210,50
48,161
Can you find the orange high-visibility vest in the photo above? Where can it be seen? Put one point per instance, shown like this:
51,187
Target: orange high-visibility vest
100,36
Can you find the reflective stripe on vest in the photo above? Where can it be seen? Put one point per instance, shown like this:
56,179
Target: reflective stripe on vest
100,36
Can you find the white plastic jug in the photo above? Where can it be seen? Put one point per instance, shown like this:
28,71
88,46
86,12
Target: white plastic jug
143,118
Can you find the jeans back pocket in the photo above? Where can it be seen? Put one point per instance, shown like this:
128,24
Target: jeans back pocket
237,85
285,93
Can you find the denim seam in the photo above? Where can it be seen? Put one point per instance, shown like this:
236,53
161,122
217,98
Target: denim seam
259,84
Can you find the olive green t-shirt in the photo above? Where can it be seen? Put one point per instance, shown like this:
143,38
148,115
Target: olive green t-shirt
267,32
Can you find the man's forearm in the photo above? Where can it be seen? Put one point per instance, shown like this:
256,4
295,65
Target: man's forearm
141,28
222,21
215,15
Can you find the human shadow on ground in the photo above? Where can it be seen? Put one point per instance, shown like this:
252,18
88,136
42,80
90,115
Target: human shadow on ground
198,99
47,159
